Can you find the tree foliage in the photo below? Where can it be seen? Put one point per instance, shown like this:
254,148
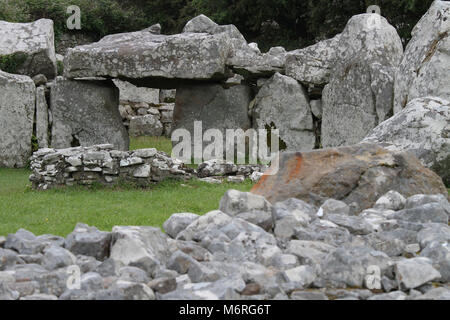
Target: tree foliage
290,23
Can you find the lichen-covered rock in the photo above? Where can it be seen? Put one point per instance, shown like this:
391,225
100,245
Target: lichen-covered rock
199,24
130,92
360,93
36,41
144,55
89,241
143,247
313,65
147,125
412,273
86,113
356,174
42,123
422,128
235,202
424,68
178,222
348,266
216,108
282,104
17,105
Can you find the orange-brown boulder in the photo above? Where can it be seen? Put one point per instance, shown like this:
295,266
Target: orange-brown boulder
358,175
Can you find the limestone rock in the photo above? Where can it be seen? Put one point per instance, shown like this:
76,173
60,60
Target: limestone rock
42,123
216,108
421,128
412,273
359,95
129,92
141,55
235,202
360,173
282,104
143,247
423,70
178,222
313,65
89,241
86,113
148,125
17,105
199,24
36,41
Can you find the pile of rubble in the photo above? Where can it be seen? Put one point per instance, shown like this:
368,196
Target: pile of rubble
248,249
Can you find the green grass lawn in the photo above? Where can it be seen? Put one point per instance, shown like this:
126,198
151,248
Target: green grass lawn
160,143
58,211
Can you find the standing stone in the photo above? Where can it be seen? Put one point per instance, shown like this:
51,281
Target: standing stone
359,95
41,118
17,105
35,41
424,70
282,104
86,113
214,106
423,129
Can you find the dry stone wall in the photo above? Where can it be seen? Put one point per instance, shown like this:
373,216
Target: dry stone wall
102,164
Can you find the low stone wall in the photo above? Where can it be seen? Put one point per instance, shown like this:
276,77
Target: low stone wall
104,165
101,164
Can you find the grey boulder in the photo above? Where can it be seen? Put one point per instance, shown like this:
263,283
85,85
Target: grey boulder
35,41
17,106
423,70
86,113
421,128
282,104
360,93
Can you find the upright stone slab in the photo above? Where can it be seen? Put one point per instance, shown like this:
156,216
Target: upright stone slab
41,118
425,68
17,103
36,41
360,93
214,106
86,113
282,103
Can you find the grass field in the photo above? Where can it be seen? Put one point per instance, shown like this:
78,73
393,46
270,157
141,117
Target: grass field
58,211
